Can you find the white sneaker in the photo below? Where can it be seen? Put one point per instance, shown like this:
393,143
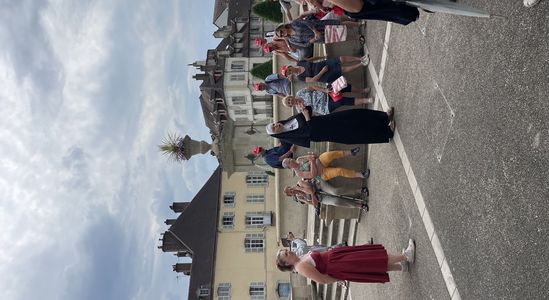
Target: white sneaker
404,266
410,252
365,60
530,3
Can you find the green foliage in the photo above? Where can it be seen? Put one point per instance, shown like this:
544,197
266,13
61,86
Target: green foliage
268,10
263,70
172,146
270,173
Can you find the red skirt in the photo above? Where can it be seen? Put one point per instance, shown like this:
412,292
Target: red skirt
365,263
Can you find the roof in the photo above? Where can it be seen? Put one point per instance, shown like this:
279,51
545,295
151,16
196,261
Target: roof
196,229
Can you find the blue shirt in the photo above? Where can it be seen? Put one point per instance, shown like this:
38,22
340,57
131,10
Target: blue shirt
277,84
272,155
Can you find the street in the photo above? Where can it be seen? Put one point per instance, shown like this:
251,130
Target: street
471,98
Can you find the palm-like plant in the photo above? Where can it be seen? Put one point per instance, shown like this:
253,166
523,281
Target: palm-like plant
172,146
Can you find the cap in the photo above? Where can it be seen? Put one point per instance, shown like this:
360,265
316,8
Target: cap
266,48
283,70
256,150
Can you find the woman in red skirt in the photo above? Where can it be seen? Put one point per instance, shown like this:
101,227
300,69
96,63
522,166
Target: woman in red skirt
365,263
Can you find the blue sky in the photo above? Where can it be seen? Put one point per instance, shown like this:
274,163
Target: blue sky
88,89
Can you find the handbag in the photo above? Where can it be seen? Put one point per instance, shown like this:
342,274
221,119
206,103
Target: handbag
335,33
339,84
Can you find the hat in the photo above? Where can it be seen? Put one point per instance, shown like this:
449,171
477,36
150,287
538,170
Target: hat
283,70
258,42
257,86
266,48
256,150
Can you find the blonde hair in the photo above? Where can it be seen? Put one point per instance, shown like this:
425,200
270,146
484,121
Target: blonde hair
286,99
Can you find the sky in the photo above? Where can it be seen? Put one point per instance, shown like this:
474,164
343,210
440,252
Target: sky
88,89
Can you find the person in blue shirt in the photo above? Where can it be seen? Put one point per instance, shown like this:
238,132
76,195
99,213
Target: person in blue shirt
274,85
274,156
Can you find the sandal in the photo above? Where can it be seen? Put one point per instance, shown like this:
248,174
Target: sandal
364,190
365,60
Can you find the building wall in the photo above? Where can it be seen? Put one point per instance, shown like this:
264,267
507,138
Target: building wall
243,103
235,265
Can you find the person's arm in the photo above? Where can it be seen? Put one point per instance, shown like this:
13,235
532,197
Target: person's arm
287,154
309,190
317,76
286,56
302,174
315,58
307,270
305,110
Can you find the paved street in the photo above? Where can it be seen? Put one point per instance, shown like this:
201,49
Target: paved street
471,98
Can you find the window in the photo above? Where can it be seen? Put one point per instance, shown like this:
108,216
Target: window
238,77
240,111
257,290
256,179
254,242
203,292
255,198
228,199
228,220
263,111
237,65
224,291
258,219
283,289
239,100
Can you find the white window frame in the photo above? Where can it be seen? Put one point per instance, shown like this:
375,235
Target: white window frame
224,291
254,242
255,198
257,179
226,217
229,199
257,290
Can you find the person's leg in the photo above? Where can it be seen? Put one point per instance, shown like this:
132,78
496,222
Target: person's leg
353,6
327,157
395,259
345,101
360,101
330,172
336,201
394,267
330,189
346,59
347,69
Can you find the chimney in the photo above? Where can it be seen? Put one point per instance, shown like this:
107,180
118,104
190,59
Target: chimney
184,268
178,207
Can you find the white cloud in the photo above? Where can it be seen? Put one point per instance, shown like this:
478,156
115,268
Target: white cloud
87,90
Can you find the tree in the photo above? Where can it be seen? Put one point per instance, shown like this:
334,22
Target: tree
268,10
263,70
172,146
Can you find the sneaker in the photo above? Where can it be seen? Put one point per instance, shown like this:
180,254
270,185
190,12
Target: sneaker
365,191
404,266
354,151
530,3
410,252
366,173
365,207
365,60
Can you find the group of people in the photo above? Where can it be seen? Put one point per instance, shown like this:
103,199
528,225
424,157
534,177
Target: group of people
318,120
